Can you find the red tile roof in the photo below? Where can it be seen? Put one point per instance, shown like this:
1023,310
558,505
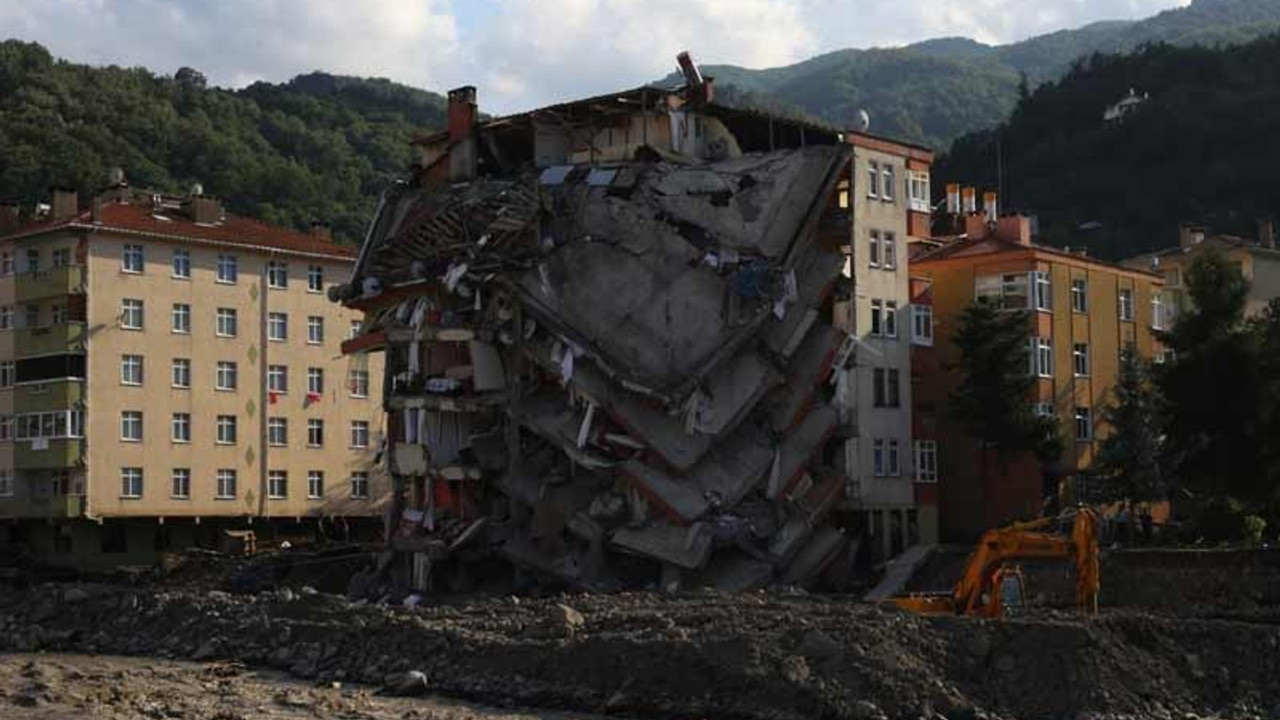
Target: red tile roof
232,230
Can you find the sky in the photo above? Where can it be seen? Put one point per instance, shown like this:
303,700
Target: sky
519,53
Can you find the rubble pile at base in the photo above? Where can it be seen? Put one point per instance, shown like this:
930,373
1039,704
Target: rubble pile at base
753,655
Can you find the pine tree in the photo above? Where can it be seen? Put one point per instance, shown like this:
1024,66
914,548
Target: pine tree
993,400
1130,457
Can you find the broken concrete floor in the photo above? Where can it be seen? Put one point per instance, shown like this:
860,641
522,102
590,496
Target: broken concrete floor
755,655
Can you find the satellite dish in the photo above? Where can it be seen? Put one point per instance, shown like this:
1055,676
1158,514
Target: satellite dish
115,176
863,121
197,189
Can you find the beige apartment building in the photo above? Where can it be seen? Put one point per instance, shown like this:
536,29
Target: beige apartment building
168,370
889,198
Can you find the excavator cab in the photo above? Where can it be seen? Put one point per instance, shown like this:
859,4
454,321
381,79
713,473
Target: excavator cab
1011,590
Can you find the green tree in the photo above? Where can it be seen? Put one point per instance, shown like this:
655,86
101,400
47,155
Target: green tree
993,400
1130,458
1213,389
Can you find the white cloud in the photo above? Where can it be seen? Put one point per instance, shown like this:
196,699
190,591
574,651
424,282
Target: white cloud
520,53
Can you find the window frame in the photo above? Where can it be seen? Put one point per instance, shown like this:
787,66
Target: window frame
315,381
315,484
889,251
128,477
228,269
132,254
926,471
281,477
1084,421
277,275
231,318
315,433
180,264
919,312
184,484
879,457
873,249
224,478
223,424
180,420
314,272
1080,361
277,321
1042,291
232,368
129,363
131,420
361,479
278,379
354,384
315,329
180,311
278,425
182,365
873,179
1080,296
128,306
1124,301
360,429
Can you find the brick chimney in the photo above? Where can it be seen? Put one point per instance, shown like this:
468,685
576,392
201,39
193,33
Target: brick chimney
10,218
462,137
1014,228
65,204
1267,232
205,209
321,229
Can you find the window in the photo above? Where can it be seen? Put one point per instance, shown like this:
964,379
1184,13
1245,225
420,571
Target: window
228,376
360,485
182,263
878,457
182,427
226,484
315,278
895,464
873,249
1157,312
6,317
1044,409
227,271
130,369
277,484
315,330
922,324
62,257
359,383
6,264
887,186
131,482
131,314
277,274
133,259
1007,292
6,373
1080,359
1043,291
315,381
33,260
58,314
918,189
1084,425
355,328
890,251
1126,305
277,326
33,315
277,432
315,484
131,426
359,433
926,461
886,385
181,318
226,430
51,424
278,378
877,317
890,319
873,180
6,428
181,373
6,483
226,326
1080,295
1042,357
315,433
1172,278
180,479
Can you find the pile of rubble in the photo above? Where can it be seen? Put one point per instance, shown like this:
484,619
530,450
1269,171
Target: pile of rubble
751,655
617,374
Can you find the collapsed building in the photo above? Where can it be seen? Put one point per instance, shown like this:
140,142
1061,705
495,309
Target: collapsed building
616,335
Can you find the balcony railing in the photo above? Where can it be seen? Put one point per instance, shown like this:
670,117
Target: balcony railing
57,394
65,280
67,337
47,453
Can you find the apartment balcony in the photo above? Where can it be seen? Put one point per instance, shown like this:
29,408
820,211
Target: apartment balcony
53,340
53,282
56,395
53,506
47,454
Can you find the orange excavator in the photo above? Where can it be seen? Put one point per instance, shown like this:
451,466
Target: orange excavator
993,584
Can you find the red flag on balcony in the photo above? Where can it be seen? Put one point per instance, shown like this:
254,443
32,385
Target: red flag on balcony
273,397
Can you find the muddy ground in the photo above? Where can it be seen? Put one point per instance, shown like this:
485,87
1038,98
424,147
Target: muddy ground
752,656
72,687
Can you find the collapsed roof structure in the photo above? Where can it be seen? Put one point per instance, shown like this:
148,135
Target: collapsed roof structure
609,343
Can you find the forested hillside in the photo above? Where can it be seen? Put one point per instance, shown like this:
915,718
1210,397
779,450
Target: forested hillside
936,90
1202,148
317,147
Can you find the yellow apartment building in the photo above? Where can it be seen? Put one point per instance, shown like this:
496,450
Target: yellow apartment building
1084,312
168,370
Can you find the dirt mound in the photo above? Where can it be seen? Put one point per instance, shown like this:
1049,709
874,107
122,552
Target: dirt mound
747,656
